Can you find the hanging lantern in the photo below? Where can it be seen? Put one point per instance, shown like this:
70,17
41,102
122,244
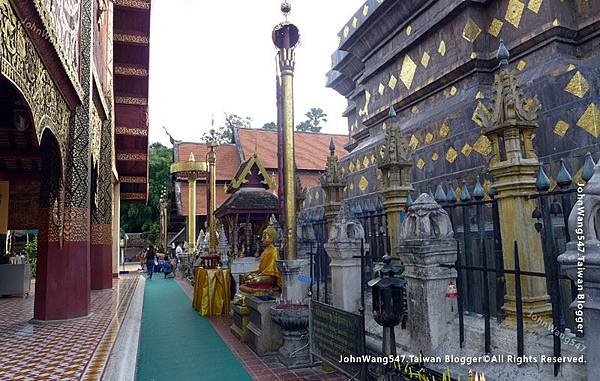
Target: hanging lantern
451,291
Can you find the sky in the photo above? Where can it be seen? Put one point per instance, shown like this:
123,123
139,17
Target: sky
215,57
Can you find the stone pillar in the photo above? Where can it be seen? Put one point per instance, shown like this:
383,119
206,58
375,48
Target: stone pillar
212,197
343,246
510,126
293,291
332,183
426,242
584,253
395,168
116,230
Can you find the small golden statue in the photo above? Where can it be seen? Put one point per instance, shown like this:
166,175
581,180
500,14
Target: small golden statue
267,277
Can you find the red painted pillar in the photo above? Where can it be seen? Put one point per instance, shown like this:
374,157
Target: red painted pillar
62,287
101,257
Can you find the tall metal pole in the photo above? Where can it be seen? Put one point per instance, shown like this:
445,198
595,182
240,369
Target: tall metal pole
285,38
212,188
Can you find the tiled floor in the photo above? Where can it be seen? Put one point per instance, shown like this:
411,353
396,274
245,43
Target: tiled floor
261,368
70,350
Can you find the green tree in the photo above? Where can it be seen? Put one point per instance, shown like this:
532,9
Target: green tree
139,217
270,126
315,117
224,134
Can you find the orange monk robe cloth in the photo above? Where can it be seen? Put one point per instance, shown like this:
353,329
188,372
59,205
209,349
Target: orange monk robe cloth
212,291
268,264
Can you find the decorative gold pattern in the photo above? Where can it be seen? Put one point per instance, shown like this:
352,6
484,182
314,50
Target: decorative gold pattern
392,82
590,120
132,157
475,117
425,59
514,12
473,55
495,27
133,4
534,5
561,128
354,22
363,184
453,90
76,224
556,22
445,129
408,71
442,48
466,150
420,163
521,65
414,109
365,10
471,31
381,89
131,71
133,196
408,30
578,85
483,145
451,155
366,162
351,167
131,131
346,31
435,156
414,142
132,38
428,137
479,95
133,179
101,234
365,110
131,101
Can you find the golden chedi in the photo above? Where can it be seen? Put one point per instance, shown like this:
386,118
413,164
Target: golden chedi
267,277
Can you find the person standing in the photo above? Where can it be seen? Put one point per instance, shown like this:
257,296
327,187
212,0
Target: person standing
150,258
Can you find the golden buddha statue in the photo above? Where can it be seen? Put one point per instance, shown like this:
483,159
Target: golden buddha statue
267,277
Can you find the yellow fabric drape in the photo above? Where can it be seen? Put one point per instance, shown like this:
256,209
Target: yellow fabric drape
268,264
212,291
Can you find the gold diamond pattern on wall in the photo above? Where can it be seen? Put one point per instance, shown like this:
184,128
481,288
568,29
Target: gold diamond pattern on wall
365,10
495,27
442,48
363,184
317,195
373,159
381,89
451,155
483,146
351,167
414,142
578,85
514,12
384,126
366,162
590,120
414,109
408,30
354,22
429,137
474,117
467,149
357,164
392,82
556,22
351,186
561,128
420,163
346,31
479,95
471,31
534,5
435,156
444,130
425,59
473,55
521,65
408,71
453,90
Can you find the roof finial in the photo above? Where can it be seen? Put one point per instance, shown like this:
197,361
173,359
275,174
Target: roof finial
332,147
503,54
286,8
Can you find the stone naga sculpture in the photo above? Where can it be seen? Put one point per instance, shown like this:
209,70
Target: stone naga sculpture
346,227
426,219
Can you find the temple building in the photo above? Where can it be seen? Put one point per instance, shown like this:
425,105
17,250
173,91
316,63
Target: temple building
311,160
73,138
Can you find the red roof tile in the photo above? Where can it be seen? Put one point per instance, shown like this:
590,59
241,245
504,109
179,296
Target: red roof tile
228,160
311,149
201,204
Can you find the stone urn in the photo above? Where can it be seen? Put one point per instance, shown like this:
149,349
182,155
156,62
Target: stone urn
293,320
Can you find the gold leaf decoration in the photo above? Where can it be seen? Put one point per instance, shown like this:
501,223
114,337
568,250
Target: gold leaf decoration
479,95
578,85
407,73
467,149
590,120
435,156
414,142
556,22
392,82
475,117
428,137
534,5
561,128
453,90
381,89
346,31
445,129
425,59
483,146
442,48
471,31
357,165
421,163
473,55
384,126
414,109
451,155
351,167
365,10
363,184
408,30
521,65
366,162
354,22
514,12
495,27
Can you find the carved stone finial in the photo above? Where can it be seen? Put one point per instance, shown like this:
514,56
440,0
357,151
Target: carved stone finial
332,175
346,227
331,147
426,219
503,54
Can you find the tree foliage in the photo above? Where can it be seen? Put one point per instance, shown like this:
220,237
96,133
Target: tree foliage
142,218
224,134
272,126
315,118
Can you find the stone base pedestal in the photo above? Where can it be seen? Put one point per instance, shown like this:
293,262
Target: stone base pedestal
241,266
345,274
295,351
293,291
240,316
263,335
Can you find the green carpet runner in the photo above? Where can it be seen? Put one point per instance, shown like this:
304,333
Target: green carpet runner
178,344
